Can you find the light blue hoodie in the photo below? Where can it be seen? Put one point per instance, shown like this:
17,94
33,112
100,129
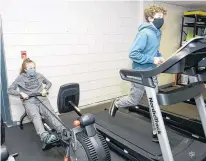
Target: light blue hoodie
145,47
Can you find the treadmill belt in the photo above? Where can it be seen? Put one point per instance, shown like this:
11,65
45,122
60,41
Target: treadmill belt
134,130
183,109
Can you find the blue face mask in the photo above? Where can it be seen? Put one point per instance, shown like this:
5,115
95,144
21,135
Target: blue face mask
158,22
31,72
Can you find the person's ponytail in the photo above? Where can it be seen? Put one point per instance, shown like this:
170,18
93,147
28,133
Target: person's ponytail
23,66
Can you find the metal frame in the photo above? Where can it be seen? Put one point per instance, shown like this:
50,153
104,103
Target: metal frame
195,32
196,27
182,30
200,103
5,107
159,124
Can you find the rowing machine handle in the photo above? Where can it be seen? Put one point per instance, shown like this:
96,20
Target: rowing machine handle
129,75
33,95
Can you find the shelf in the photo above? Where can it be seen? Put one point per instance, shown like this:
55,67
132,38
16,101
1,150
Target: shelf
199,23
195,13
193,16
192,25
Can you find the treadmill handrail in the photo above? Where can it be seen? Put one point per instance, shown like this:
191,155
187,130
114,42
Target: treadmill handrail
130,75
193,45
202,63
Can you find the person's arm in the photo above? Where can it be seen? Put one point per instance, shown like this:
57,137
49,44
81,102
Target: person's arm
13,89
138,46
46,82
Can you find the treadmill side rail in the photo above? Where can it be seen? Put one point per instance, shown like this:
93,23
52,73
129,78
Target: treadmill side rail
202,110
200,103
159,124
180,94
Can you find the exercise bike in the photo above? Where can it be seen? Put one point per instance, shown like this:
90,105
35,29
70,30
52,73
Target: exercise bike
4,153
85,143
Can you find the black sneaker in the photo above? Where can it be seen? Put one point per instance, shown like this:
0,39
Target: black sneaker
155,138
65,135
113,109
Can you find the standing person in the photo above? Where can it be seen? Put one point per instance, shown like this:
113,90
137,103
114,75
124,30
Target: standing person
145,55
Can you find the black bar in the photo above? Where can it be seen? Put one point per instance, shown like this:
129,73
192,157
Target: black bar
135,76
181,31
195,26
21,120
76,109
130,75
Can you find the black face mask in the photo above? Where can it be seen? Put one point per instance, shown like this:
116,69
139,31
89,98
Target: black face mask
158,22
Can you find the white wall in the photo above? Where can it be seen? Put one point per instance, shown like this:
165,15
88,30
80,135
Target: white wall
84,42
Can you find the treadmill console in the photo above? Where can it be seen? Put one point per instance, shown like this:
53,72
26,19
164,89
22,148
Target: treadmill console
195,51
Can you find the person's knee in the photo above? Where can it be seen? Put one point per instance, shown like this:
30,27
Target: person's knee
135,100
51,112
48,106
35,116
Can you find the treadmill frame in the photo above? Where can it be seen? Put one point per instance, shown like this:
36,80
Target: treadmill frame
175,65
159,124
199,100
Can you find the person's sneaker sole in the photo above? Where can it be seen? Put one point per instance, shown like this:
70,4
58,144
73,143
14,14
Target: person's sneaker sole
155,138
66,135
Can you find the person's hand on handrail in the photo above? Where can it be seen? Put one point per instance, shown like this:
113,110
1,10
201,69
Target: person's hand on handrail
158,60
44,92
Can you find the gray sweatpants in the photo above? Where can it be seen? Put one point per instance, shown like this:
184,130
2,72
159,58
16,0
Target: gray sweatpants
134,97
35,111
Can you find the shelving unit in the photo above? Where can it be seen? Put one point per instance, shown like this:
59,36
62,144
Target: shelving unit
197,22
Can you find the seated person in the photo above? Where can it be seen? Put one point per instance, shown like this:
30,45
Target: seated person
30,82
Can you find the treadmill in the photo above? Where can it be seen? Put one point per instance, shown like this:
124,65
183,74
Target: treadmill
132,135
186,122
